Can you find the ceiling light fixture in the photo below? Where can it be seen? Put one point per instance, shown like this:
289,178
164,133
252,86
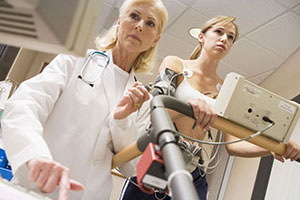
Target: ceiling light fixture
194,32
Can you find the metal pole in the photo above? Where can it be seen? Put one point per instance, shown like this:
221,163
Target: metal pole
180,180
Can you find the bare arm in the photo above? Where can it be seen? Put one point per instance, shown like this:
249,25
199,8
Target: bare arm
174,63
246,149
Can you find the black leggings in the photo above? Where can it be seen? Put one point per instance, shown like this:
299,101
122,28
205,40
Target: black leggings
132,192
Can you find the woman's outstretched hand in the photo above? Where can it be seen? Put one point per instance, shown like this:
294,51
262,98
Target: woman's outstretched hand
47,174
131,101
292,152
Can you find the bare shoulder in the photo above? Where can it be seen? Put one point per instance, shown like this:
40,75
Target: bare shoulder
172,62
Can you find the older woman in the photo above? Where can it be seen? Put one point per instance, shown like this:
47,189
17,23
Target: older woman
65,122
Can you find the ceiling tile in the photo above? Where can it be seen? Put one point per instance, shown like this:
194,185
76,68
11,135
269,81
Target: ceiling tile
104,15
249,14
261,77
297,9
111,2
289,3
225,68
252,58
264,22
170,45
186,2
118,3
254,80
111,18
189,19
175,9
280,35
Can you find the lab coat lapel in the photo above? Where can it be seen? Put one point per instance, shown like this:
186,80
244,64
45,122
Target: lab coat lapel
109,83
130,81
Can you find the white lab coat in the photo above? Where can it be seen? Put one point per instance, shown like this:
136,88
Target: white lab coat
58,116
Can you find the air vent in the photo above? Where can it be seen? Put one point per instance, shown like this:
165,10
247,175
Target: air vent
16,22
47,26
4,4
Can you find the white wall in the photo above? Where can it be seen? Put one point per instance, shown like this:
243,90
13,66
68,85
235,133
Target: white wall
284,181
117,186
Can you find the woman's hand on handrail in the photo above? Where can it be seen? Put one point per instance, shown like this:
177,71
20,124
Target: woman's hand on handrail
203,113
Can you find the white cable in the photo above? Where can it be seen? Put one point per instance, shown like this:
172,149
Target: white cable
214,166
218,147
213,157
172,80
186,72
231,142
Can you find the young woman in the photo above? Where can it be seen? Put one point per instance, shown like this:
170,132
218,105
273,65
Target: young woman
199,83
68,121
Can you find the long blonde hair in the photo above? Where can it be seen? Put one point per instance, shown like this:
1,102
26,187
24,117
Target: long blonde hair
145,61
223,20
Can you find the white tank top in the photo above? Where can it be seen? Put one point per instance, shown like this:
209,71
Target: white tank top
185,91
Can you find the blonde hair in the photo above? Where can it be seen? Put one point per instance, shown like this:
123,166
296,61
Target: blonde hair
223,20
145,61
